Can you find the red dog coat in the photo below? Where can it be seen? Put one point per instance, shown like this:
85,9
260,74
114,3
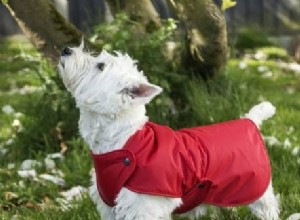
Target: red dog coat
224,164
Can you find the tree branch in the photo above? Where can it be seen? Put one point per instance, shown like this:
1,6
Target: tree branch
48,30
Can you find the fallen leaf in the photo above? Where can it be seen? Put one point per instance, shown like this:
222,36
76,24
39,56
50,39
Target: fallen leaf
74,193
63,147
7,109
27,173
58,133
46,199
10,195
57,155
29,164
56,180
49,163
32,205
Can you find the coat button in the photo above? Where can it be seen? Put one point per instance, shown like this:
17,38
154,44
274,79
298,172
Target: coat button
201,185
126,161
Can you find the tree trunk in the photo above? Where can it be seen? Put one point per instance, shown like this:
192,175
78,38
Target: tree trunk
44,26
204,22
141,11
206,35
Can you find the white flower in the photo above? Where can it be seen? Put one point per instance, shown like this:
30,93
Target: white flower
295,67
262,69
287,144
271,140
7,109
21,184
295,151
290,130
3,151
11,166
18,114
259,55
268,74
16,123
9,141
243,65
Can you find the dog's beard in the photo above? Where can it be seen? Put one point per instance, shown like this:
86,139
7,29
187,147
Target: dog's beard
62,64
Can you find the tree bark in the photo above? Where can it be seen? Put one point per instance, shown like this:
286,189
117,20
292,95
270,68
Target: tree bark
206,35
204,22
48,30
141,11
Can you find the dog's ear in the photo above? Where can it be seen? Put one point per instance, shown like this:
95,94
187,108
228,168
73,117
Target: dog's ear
143,93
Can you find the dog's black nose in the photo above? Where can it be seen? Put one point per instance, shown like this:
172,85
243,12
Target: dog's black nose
66,51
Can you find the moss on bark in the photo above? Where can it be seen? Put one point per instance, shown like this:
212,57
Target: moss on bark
206,35
44,26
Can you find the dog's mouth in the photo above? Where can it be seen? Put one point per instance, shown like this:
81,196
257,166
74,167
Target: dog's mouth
62,63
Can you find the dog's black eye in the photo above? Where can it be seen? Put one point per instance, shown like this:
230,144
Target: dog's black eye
101,66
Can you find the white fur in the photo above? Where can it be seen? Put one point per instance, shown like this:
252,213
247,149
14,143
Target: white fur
261,112
267,207
196,212
112,108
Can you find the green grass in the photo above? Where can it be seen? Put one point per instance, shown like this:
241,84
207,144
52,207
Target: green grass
286,173
49,122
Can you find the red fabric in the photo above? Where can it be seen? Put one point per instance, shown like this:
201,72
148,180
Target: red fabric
224,164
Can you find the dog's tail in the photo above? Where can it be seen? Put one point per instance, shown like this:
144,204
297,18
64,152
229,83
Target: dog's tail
261,112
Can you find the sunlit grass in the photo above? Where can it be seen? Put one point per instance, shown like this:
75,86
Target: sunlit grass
50,124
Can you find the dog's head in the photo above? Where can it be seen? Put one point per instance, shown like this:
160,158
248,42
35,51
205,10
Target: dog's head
107,83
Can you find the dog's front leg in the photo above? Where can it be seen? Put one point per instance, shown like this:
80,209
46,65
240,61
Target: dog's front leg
105,211
135,206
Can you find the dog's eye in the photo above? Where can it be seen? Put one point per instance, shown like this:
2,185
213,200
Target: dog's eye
101,66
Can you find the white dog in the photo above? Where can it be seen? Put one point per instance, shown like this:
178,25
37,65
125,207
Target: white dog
145,171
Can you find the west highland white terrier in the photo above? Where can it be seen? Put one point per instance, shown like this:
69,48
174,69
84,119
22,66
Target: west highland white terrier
145,171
